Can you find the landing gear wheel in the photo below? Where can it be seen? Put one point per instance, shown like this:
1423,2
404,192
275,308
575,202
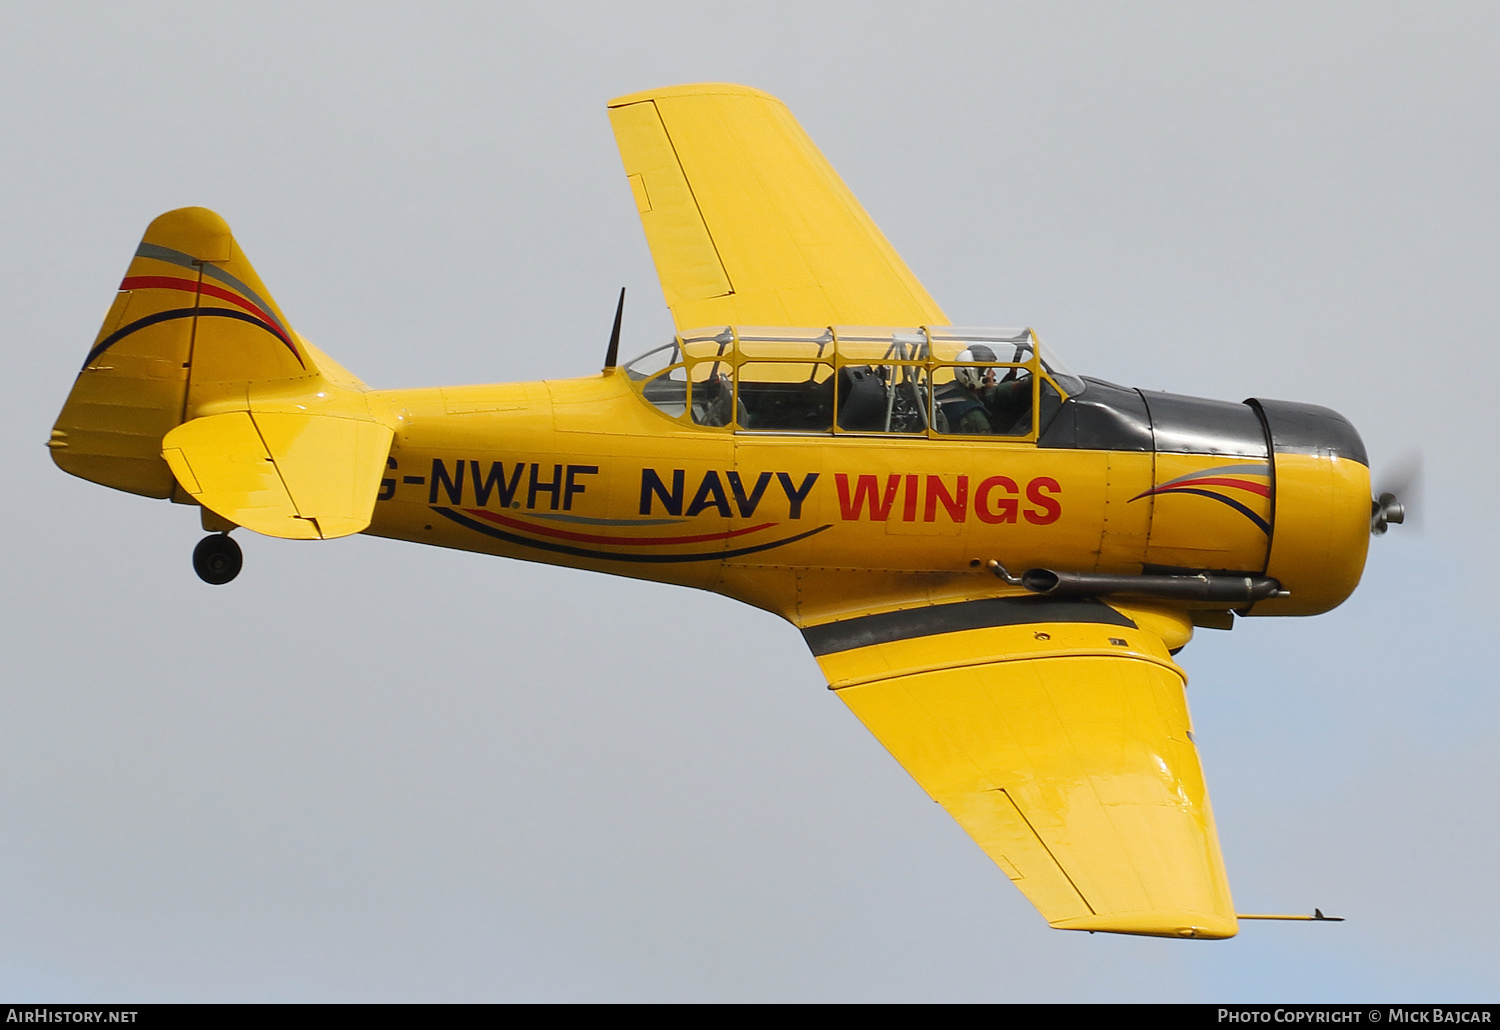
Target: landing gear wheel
217,559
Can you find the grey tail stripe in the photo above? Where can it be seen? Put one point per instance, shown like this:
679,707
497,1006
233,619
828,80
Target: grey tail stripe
587,521
177,257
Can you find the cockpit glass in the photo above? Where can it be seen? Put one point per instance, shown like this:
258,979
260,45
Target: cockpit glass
857,379
883,380
653,361
996,346
713,393
786,396
668,391
719,334
1073,384
781,344
1065,377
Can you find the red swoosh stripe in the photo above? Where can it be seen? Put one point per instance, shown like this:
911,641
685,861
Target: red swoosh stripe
1255,488
593,538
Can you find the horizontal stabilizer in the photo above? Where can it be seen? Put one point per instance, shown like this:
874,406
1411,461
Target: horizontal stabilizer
284,474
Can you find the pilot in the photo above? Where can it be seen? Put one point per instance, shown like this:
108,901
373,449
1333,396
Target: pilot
974,403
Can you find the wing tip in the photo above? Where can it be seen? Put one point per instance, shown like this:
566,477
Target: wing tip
693,89
1211,926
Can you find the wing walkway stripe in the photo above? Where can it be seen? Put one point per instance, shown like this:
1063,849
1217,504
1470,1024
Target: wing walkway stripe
887,627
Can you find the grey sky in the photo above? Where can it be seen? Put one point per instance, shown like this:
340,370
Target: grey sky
372,771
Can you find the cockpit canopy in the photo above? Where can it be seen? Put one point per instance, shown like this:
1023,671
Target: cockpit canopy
929,380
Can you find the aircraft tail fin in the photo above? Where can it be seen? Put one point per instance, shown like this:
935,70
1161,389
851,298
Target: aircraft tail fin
196,357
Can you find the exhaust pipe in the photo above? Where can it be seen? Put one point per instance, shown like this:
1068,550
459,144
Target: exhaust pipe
1212,587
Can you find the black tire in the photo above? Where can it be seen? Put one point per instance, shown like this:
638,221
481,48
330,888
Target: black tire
217,559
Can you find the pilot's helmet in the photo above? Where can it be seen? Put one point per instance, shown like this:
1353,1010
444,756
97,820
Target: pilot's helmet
973,375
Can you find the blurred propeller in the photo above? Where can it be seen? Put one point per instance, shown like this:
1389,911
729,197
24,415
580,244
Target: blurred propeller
1398,495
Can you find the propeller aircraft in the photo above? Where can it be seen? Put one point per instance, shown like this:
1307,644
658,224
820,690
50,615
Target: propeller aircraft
993,560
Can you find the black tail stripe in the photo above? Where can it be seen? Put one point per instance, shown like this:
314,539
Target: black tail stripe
176,313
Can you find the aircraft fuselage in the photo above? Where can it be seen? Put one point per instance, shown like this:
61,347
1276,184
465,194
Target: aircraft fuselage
583,473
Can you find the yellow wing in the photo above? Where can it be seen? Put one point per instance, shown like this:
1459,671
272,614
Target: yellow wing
1057,734
748,223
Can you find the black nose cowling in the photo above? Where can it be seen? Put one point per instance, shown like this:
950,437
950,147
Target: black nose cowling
1295,428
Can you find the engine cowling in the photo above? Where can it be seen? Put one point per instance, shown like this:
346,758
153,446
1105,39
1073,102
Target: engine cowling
1321,518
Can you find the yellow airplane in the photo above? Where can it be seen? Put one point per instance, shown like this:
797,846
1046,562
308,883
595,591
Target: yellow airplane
993,560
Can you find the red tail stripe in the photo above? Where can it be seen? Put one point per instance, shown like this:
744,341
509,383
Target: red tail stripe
165,282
